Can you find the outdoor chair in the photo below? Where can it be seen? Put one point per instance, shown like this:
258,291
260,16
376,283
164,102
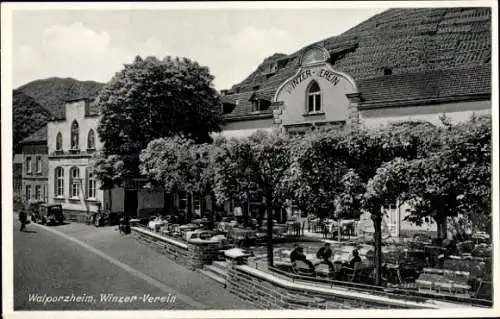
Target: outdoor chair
352,273
301,268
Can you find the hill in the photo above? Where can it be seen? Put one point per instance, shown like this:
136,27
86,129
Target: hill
28,116
51,93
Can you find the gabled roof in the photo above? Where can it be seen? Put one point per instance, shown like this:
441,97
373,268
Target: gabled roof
39,136
432,53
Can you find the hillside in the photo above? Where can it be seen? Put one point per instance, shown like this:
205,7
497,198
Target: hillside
27,117
52,92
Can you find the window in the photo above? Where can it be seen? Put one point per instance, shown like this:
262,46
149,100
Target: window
59,142
28,165
28,192
260,105
313,98
91,184
74,135
59,182
38,164
183,200
91,140
196,202
75,182
38,192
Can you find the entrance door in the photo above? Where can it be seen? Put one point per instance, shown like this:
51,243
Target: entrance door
130,202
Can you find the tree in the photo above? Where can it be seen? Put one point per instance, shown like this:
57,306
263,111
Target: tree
178,164
109,170
389,184
257,165
456,178
314,179
153,98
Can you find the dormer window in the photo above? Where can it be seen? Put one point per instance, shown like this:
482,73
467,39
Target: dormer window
74,135
313,98
260,105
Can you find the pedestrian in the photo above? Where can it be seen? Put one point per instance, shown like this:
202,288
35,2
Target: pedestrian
325,231
324,254
23,218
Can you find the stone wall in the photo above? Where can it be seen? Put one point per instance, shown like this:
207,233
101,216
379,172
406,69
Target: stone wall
267,294
193,256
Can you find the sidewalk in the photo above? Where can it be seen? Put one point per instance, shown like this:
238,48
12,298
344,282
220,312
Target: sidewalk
131,252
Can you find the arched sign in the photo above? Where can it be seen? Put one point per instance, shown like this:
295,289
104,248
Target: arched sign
328,104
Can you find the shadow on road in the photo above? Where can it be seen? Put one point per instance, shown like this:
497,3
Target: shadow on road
29,231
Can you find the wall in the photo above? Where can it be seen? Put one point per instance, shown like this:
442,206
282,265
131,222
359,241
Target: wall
35,178
269,292
150,199
81,203
192,255
74,111
334,87
457,112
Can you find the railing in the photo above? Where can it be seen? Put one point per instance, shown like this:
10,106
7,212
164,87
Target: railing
407,294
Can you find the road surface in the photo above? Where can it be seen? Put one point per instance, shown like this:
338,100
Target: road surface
80,267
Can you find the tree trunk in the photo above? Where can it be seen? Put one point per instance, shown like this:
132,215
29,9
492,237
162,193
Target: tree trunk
246,212
189,208
377,236
269,209
441,228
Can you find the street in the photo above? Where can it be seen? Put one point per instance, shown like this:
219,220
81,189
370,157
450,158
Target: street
80,267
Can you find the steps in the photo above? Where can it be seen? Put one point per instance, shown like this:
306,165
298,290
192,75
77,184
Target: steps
217,271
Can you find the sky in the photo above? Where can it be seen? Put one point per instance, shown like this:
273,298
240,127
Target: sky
94,44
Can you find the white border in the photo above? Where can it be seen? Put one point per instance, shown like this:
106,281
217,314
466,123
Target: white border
7,220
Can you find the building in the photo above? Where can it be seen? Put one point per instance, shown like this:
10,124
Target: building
17,174
34,181
402,64
72,139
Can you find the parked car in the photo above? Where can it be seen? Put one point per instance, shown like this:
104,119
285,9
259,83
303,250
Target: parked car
51,214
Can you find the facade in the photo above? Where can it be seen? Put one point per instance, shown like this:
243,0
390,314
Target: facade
34,182
17,174
71,142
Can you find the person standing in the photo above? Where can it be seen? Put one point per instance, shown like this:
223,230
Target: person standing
23,218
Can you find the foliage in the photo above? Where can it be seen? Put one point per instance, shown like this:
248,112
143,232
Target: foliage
254,165
177,164
27,117
154,98
109,170
455,179
350,200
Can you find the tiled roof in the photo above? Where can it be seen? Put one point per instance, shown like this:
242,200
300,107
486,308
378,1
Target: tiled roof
38,136
431,52
434,84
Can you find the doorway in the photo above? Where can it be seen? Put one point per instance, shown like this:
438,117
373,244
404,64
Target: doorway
130,202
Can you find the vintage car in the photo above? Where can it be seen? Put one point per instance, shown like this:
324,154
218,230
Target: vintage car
51,214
